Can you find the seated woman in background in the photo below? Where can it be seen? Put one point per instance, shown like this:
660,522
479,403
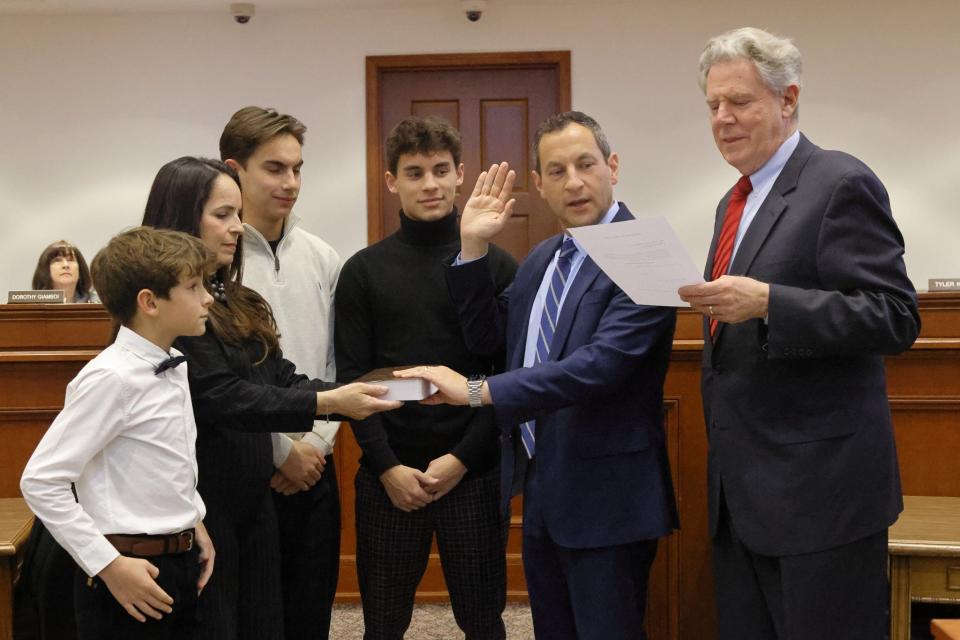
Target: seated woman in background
61,266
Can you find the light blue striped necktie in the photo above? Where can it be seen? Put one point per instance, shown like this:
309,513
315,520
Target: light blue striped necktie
548,325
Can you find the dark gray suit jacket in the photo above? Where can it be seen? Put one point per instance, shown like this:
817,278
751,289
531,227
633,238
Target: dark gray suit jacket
798,421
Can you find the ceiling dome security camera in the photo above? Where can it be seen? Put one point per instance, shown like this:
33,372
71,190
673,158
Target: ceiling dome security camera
473,9
242,11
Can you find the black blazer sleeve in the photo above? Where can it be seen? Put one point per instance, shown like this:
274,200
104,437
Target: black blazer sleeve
221,386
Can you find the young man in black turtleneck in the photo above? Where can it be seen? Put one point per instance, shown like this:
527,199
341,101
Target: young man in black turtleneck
425,470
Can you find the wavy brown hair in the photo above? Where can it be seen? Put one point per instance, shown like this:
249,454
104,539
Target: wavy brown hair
177,197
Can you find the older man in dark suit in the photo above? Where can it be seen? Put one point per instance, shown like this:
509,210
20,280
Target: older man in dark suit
806,292
580,405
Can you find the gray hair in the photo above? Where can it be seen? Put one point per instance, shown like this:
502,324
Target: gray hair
777,59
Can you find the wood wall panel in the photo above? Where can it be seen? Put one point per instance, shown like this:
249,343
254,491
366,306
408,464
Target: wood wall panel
925,429
447,109
37,359
505,129
26,327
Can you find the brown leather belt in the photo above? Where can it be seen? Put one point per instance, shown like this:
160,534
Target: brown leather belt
146,546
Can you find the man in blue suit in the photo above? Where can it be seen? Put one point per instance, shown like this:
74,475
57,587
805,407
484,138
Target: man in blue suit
580,405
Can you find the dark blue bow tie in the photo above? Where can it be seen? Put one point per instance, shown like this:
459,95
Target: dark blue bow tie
169,363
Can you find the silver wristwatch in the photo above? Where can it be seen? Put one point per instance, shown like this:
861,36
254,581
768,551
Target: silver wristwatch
475,389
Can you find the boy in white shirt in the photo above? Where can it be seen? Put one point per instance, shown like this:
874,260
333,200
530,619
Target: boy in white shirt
126,439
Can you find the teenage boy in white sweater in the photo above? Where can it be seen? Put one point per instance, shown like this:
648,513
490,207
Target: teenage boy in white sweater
296,272
126,439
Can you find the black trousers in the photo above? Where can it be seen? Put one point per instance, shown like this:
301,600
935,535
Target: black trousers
393,548
43,598
309,524
837,594
242,601
100,616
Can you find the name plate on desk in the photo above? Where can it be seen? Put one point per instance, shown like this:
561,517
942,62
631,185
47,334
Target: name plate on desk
943,284
48,296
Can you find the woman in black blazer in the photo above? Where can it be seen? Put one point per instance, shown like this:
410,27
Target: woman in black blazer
242,390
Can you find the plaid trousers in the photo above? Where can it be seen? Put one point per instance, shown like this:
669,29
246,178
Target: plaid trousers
393,548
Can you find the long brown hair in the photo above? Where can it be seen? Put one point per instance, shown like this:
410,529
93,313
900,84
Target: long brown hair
177,197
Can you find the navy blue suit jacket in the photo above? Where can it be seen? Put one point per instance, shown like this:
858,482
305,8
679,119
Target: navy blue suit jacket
801,439
598,400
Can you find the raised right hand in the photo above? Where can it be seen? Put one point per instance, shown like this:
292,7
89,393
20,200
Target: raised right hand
405,486
355,400
486,212
132,581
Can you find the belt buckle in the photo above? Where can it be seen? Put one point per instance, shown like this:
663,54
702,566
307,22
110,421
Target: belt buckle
189,539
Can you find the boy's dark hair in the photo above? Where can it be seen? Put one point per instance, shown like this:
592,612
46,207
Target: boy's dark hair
250,127
41,275
145,258
560,121
422,135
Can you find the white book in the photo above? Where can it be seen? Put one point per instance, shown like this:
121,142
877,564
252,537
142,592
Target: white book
404,389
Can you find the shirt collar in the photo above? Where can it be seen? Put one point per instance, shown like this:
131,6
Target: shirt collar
606,219
132,342
774,165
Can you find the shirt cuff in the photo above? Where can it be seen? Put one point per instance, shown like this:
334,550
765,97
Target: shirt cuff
317,442
459,261
97,556
281,448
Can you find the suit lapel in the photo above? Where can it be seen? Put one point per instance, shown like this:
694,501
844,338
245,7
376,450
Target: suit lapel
581,284
525,290
771,209
766,217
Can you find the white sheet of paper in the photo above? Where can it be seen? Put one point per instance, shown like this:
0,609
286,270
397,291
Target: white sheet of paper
643,257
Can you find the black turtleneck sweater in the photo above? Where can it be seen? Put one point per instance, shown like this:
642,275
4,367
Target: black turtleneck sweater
393,309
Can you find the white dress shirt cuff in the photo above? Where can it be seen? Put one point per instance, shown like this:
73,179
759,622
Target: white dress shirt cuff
97,555
317,442
459,260
281,448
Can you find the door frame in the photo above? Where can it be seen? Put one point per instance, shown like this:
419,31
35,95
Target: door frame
378,65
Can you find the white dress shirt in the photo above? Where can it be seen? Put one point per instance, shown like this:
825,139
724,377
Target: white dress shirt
126,437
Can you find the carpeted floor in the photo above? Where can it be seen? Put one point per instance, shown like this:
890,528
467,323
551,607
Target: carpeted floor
430,622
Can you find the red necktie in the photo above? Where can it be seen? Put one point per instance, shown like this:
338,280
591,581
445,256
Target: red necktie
728,233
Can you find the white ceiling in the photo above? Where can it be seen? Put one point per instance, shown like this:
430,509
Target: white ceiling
207,6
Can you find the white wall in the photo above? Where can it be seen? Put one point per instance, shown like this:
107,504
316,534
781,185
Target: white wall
91,106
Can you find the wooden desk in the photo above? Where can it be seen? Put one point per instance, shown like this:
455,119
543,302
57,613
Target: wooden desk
43,346
924,548
15,523
945,629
